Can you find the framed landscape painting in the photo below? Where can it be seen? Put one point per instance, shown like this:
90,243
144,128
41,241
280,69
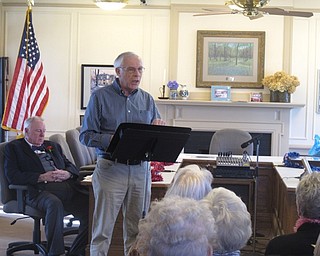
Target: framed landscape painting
233,58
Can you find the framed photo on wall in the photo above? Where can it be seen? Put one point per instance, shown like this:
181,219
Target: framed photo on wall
94,77
233,58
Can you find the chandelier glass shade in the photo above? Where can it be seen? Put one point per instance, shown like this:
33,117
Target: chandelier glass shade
246,7
111,5
249,3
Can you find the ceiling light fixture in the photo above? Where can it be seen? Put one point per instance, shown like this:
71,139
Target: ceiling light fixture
111,5
248,4
247,8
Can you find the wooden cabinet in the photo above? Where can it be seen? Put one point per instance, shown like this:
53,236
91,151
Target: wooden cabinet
284,207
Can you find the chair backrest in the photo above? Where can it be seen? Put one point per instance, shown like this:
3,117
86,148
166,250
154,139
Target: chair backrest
82,155
226,140
6,193
58,138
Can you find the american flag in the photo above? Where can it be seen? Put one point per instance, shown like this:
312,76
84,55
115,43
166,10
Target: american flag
28,94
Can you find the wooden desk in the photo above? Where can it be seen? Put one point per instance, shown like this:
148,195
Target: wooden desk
158,189
284,203
245,187
276,207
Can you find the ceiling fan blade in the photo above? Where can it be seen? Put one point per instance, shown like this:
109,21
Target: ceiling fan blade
211,13
217,11
279,11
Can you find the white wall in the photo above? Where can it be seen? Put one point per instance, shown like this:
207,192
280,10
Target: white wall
166,40
70,37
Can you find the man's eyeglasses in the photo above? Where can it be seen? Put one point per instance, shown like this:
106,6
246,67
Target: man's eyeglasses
132,70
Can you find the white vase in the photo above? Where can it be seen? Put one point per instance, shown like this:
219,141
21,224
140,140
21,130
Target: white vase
173,94
184,93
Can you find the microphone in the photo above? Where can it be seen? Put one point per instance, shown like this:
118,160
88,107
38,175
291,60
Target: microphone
247,143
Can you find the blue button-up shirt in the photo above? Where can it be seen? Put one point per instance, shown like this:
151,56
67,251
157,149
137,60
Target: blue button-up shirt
108,107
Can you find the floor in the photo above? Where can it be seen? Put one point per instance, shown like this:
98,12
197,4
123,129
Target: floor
22,230
262,238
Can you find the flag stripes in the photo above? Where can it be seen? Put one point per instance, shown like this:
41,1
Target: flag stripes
28,94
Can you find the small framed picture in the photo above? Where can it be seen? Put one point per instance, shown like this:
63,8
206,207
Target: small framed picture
94,77
220,93
256,97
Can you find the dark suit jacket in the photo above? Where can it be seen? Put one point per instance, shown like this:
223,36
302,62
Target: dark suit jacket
23,166
298,243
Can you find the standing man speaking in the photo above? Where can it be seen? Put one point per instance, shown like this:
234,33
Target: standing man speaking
115,184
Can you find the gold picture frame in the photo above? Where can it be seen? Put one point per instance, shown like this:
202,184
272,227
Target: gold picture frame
233,58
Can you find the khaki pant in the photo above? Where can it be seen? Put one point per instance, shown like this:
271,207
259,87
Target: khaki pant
118,185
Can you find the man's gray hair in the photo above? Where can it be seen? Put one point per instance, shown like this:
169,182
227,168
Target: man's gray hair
119,60
30,120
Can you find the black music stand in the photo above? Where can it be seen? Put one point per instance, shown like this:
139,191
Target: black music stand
145,142
255,178
257,139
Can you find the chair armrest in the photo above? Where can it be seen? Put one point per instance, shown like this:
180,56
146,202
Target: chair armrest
84,173
88,167
20,191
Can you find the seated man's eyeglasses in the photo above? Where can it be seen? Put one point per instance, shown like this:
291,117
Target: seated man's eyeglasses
132,70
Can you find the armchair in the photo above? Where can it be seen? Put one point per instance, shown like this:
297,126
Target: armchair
84,157
58,138
226,140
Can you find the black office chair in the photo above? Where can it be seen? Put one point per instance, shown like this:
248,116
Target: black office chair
13,200
230,140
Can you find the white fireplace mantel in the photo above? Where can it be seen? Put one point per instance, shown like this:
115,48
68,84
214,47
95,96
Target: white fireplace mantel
256,117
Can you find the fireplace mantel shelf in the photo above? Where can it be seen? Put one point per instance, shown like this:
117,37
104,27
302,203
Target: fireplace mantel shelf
243,104
256,117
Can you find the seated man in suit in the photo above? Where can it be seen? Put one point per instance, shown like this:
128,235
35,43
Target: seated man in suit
52,184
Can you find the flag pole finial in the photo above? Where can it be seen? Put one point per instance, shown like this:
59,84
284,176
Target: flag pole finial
30,3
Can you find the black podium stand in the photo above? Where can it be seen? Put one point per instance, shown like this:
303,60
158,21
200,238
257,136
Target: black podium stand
145,142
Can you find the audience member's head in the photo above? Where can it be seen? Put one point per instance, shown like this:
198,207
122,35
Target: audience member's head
308,196
176,226
306,235
34,130
232,220
191,181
